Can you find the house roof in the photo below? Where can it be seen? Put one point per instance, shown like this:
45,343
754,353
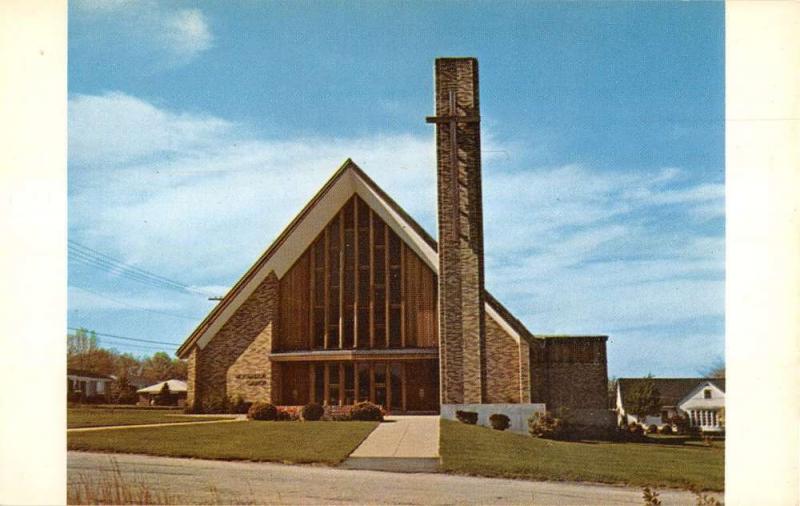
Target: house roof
175,386
672,390
87,374
349,179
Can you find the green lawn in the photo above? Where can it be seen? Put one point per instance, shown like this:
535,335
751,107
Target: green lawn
293,442
470,449
99,417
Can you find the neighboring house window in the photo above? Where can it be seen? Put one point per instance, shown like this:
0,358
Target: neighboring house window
707,393
664,416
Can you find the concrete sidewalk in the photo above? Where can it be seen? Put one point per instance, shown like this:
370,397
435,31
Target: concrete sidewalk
401,443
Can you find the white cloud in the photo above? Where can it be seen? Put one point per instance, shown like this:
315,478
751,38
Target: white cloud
116,129
569,249
159,31
188,33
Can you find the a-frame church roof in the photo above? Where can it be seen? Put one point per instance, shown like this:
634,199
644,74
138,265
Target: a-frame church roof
348,180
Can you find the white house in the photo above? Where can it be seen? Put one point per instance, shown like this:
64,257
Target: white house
177,391
87,383
699,400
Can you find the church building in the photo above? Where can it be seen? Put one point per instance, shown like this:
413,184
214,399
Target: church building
355,301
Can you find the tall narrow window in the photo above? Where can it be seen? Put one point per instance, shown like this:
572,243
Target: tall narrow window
319,383
357,283
318,307
349,384
379,288
380,384
333,384
333,283
364,254
349,288
363,381
396,381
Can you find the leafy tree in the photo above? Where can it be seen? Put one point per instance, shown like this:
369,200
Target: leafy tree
645,398
85,353
79,346
126,365
161,367
716,370
164,398
157,368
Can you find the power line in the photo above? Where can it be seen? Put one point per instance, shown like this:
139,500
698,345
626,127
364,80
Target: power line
141,348
124,337
126,266
97,259
112,299
115,269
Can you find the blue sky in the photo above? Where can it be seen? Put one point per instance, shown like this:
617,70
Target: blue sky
197,130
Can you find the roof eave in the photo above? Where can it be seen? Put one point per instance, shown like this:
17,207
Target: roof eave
185,348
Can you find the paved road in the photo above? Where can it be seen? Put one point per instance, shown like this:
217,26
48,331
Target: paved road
191,481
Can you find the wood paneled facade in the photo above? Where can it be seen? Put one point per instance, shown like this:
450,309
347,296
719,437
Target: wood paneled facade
358,288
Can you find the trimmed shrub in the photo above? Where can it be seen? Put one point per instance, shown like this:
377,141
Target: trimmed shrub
312,412
338,416
652,429
192,409
635,428
239,406
545,425
287,415
262,411
470,417
499,421
215,404
665,430
680,423
164,397
366,411
96,399
127,397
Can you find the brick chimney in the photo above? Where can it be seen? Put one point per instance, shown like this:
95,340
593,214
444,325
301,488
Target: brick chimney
458,160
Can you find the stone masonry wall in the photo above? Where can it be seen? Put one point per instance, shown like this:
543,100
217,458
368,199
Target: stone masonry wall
502,365
191,377
235,361
570,372
461,312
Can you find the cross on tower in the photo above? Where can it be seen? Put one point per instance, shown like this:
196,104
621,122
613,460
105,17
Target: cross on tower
460,294
452,119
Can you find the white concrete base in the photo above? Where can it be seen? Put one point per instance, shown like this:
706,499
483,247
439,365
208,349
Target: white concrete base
517,413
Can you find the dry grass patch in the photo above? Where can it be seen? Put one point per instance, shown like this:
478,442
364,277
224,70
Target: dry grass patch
111,487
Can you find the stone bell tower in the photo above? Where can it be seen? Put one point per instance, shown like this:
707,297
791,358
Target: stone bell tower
460,216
